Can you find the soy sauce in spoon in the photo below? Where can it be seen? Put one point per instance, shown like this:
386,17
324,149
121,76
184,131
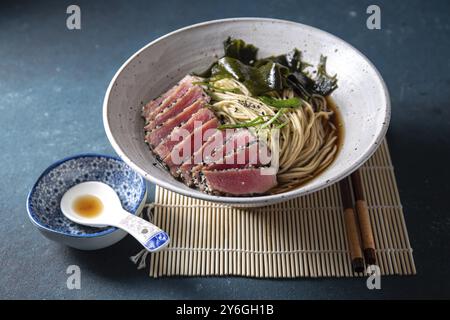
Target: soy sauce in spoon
88,206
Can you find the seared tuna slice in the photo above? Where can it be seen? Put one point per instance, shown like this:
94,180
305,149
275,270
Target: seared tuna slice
154,107
253,155
190,145
158,135
214,142
238,182
151,106
185,101
234,140
179,134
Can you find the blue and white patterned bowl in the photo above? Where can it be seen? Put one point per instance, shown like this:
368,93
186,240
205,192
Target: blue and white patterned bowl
43,202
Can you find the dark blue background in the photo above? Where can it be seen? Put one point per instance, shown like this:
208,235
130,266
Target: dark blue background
52,83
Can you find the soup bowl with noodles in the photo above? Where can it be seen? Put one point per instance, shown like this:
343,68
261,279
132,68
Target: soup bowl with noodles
361,99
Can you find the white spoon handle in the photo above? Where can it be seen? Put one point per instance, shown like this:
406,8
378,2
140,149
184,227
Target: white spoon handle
149,235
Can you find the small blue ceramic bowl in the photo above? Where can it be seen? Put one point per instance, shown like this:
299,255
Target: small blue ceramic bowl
43,202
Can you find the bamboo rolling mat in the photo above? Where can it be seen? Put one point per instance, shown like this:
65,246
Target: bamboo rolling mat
303,237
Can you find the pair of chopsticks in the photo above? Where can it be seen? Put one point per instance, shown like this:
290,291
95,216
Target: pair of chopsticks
357,224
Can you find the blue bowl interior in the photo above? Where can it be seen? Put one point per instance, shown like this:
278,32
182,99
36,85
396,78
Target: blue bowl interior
45,196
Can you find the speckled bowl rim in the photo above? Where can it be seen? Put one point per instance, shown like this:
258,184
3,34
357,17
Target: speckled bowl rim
268,199
58,163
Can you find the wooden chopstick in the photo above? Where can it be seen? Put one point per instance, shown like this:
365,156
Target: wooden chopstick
351,225
368,242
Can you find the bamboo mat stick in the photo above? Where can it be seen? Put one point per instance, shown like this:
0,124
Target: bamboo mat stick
236,262
215,241
326,232
307,238
195,267
259,243
175,262
331,235
164,253
266,246
173,222
322,228
226,243
188,237
292,239
281,242
245,256
252,243
335,216
212,225
203,241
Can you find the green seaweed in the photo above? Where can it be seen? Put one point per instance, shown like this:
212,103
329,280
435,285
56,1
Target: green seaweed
238,49
259,81
271,74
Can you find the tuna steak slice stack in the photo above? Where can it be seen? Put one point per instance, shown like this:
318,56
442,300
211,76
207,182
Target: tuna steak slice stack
183,133
177,134
183,150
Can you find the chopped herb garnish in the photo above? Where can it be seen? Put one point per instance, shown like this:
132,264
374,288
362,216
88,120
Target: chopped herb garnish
280,126
281,103
273,119
257,121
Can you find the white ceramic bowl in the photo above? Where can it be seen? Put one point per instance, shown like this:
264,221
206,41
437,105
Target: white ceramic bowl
362,96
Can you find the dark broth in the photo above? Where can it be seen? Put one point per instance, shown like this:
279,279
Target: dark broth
338,123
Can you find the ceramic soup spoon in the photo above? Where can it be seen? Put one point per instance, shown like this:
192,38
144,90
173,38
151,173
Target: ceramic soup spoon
96,204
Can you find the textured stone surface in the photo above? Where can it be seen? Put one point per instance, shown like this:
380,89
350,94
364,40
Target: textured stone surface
52,83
